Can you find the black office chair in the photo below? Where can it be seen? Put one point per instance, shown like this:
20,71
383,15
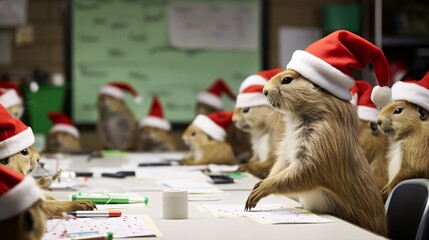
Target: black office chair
407,210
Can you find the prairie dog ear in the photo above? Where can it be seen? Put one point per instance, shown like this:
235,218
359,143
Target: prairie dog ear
423,114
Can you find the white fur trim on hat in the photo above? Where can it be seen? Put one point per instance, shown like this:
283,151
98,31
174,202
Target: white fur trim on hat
112,91
156,122
367,113
19,198
322,74
211,128
252,80
16,143
210,99
10,98
250,100
412,93
381,96
59,127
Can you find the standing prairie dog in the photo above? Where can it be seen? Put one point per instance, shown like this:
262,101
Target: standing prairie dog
407,126
374,145
372,141
154,133
116,125
265,127
205,138
21,215
319,160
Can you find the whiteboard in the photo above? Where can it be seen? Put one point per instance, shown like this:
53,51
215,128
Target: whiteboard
128,40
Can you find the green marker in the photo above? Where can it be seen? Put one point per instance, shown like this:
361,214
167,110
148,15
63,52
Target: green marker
110,200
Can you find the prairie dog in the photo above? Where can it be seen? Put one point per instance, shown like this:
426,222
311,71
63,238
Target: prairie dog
320,160
16,110
62,142
374,145
29,224
21,216
116,125
25,162
265,127
204,149
154,139
407,126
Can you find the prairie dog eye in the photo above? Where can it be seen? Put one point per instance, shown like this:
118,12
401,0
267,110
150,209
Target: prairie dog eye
193,134
287,80
397,111
24,152
246,109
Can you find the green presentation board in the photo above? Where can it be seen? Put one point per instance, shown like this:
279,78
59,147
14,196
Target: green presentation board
128,40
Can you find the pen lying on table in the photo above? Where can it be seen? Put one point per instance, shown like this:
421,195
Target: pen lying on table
95,214
110,199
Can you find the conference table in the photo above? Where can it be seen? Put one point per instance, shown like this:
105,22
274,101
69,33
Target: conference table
199,224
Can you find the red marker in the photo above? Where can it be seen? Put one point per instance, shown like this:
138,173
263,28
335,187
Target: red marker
96,214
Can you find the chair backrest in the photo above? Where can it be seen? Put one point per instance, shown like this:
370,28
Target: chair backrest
407,210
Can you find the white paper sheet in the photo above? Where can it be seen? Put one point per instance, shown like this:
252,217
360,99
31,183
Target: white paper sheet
192,186
235,210
286,215
121,227
215,25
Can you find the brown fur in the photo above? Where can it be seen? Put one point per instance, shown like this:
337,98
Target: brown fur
205,150
234,136
374,145
408,130
25,162
320,160
62,142
116,124
16,111
154,139
29,225
265,127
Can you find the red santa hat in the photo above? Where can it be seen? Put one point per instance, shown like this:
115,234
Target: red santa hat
17,193
261,78
413,91
61,123
251,96
155,118
328,62
212,96
117,89
251,89
215,124
10,94
15,136
361,98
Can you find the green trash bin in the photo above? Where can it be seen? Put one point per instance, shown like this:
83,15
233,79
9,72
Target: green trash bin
37,106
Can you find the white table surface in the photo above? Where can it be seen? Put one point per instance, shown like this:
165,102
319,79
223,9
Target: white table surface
203,225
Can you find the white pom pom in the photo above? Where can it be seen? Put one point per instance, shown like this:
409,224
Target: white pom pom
34,87
138,99
381,96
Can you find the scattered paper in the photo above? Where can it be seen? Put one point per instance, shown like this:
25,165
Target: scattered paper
192,186
214,25
236,210
172,172
121,227
286,215
215,168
